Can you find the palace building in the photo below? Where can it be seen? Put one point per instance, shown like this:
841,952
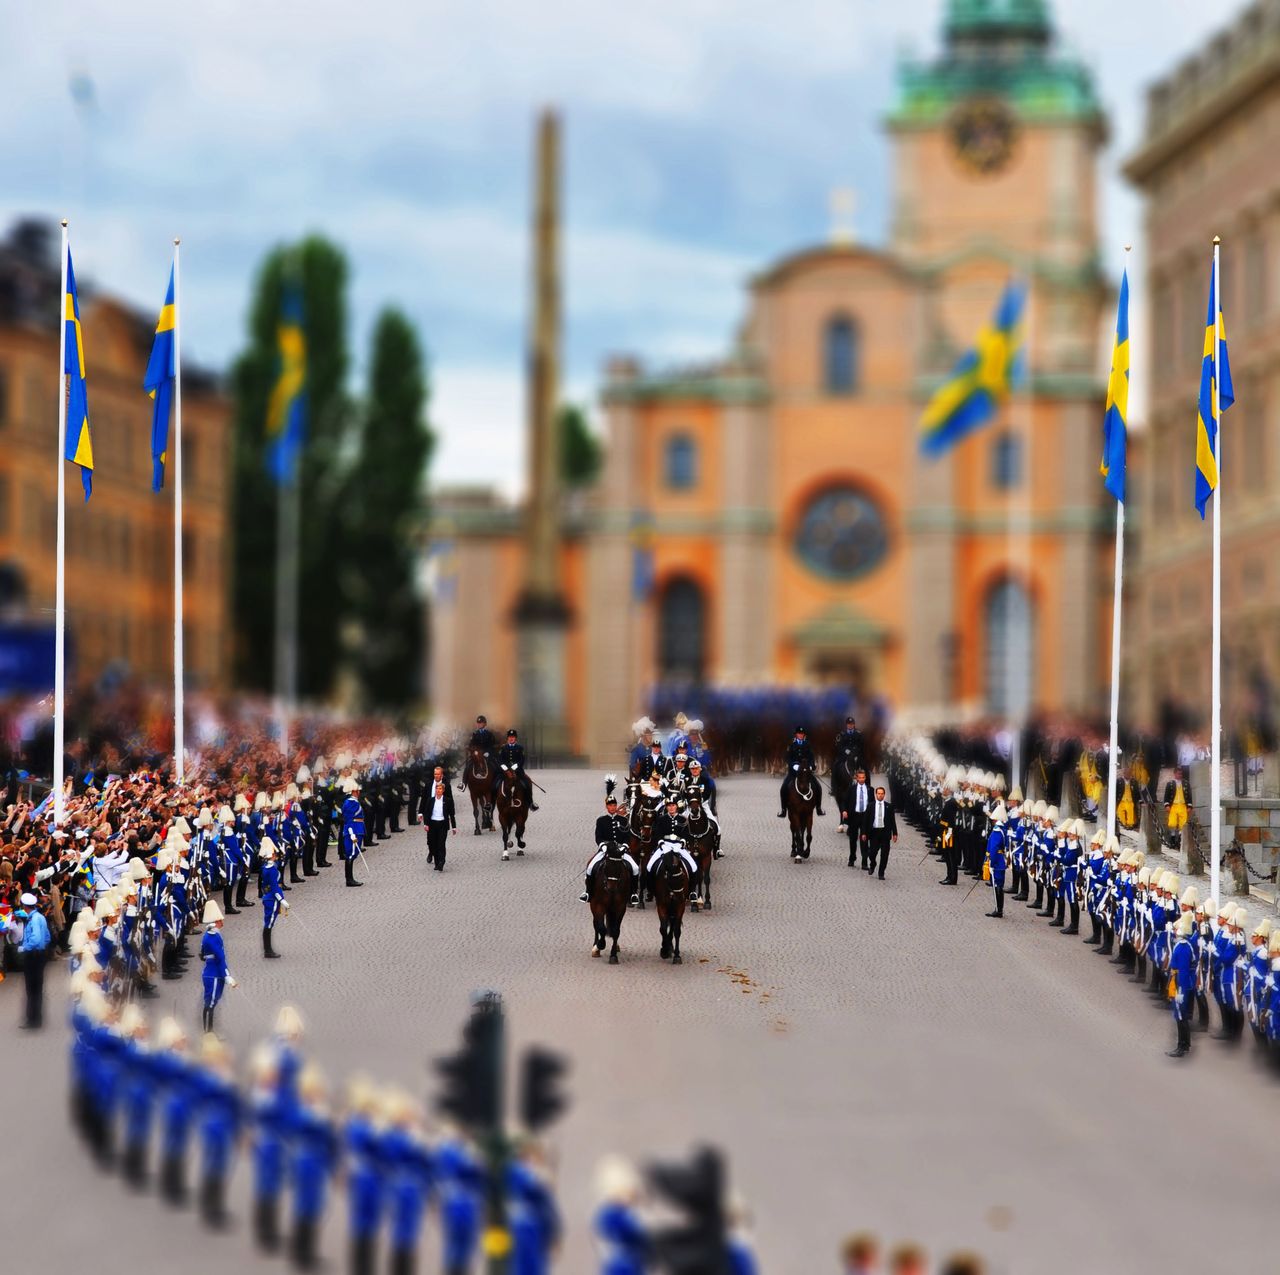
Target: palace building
775,504
119,545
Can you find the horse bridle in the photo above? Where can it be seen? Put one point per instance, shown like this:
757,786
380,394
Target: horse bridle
804,795
484,761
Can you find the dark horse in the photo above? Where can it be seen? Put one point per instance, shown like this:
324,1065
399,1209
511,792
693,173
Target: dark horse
700,841
671,887
843,772
513,813
477,779
611,890
640,839
802,800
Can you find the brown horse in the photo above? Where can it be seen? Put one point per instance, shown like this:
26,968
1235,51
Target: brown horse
802,801
477,779
640,838
611,890
513,813
671,888
700,841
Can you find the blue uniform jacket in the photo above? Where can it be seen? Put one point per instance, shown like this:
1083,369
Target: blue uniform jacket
408,1165
535,1221
314,1157
366,1184
626,1242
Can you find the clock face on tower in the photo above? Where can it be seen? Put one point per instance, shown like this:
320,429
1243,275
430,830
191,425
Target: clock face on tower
983,133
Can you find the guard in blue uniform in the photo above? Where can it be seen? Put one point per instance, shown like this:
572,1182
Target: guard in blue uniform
138,1088
997,857
366,1184
1068,897
219,1120
1257,970
178,1099
532,1215
799,752
700,753
461,1181
410,1172
624,1239
272,892
353,830
234,860
313,1160
213,956
511,761
1182,973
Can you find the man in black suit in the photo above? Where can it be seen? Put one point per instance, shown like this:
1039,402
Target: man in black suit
882,829
860,799
438,812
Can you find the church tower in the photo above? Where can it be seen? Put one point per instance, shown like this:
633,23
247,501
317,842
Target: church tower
995,148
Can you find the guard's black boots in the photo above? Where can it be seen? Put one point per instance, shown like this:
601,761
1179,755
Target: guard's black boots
1074,927
1183,1047
267,950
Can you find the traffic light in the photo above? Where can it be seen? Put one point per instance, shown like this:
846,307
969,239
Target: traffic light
541,1099
696,1189
472,1078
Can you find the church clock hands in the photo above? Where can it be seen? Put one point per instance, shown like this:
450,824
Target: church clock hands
983,132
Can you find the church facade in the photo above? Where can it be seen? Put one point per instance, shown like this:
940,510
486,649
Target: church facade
770,518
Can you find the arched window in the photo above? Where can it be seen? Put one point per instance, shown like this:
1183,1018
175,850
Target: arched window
682,625
1006,461
680,462
1009,630
840,356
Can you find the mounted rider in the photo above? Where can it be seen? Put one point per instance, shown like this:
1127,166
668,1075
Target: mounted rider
483,738
678,775
700,787
610,827
673,843
511,761
643,730
849,746
699,752
655,762
799,752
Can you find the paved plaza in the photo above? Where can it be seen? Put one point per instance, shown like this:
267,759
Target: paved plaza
870,1054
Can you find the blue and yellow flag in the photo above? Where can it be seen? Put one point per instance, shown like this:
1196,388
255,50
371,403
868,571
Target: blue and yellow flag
1220,393
980,381
1115,435
158,382
287,406
79,445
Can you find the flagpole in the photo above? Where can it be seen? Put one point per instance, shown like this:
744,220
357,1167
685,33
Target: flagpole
288,511
60,603
179,742
1019,663
1215,747
1117,596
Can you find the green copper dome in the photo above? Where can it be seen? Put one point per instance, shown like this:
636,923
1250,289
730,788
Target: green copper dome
997,48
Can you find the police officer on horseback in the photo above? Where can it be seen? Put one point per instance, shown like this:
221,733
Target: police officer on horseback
849,745
511,762
799,753
699,787
483,738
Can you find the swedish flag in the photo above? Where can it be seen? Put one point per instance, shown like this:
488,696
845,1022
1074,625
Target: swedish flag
286,408
1219,395
980,381
79,444
1115,436
158,382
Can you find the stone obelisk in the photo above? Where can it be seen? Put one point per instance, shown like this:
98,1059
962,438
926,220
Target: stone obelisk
542,616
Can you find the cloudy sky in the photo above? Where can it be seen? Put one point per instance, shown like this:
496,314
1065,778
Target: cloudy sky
703,139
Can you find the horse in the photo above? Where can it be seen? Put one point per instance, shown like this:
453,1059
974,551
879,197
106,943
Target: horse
611,891
802,801
671,892
477,779
513,813
843,772
640,839
700,841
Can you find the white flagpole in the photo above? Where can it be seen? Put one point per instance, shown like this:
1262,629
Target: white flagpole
1019,660
60,603
1215,747
179,740
1117,596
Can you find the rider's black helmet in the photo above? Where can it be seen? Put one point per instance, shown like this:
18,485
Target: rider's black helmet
800,730
511,734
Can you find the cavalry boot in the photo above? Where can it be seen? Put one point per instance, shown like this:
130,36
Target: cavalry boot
363,1249
309,861
228,906
350,865
1049,905
241,901
1074,927
1038,902
1095,932
1156,987
1060,920
267,950
1108,938
294,878
212,1209
266,1228
1202,1013
1183,1047
302,1249
1139,970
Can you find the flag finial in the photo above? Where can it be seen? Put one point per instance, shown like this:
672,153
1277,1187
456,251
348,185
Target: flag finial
63,223
1128,247
1217,239
176,240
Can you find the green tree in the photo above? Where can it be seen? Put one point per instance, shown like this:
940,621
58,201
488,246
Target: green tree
580,452
321,269
389,505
